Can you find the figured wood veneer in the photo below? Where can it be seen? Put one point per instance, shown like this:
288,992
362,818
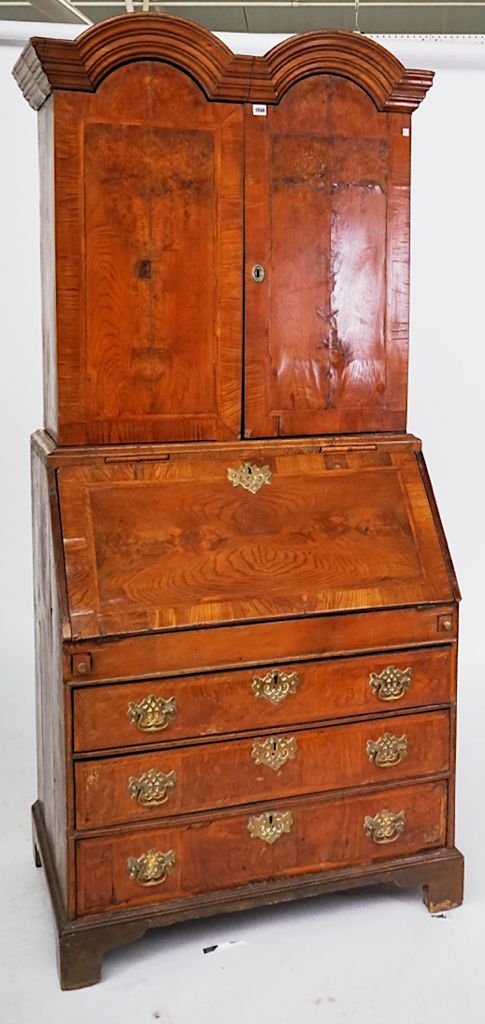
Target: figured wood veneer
218,852
176,377
213,704
325,759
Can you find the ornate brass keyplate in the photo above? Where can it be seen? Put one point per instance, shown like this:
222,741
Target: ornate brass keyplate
276,685
274,751
385,827
249,476
152,788
153,713
152,867
388,750
392,683
270,825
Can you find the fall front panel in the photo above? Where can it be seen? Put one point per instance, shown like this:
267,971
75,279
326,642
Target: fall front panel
152,242
200,539
327,179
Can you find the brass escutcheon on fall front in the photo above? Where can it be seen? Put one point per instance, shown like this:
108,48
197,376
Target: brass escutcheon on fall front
274,751
392,683
276,685
387,750
153,713
386,826
270,825
152,788
249,476
151,868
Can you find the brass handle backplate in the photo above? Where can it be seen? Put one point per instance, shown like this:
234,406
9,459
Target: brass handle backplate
249,476
152,788
153,713
276,685
388,750
385,827
274,751
270,825
151,868
392,683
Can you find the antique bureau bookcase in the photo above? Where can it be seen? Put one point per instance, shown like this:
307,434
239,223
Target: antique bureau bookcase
246,612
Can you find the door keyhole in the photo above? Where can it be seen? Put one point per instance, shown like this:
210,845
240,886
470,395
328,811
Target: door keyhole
258,273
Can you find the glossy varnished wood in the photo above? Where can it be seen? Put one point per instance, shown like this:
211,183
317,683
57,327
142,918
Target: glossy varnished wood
327,214
227,774
155,577
81,65
175,544
217,851
136,358
211,705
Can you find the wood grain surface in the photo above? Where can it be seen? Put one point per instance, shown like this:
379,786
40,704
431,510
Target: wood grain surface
227,774
225,702
327,176
149,290
174,544
216,851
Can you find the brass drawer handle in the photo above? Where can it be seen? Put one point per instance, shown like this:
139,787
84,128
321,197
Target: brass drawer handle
385,827
152,788
270,825
249,476
153,713
275,686
388,750
392,683
274,751
152,867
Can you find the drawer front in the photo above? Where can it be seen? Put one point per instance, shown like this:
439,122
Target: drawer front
142,787
155,711
271,841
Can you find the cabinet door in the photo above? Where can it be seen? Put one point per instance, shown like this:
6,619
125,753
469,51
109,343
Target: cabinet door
327,194
149,207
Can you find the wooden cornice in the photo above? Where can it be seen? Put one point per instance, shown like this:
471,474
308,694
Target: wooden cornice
81,65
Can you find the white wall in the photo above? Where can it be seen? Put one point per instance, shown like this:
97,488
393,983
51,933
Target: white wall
447,333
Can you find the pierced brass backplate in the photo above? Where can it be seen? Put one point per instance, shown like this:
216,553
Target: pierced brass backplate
270,825
388,750
152,867
392,683
274,751
385,827
276,685
249,476
152,788
153,713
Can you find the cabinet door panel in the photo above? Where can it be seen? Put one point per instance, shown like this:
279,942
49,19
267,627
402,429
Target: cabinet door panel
149,258
327,180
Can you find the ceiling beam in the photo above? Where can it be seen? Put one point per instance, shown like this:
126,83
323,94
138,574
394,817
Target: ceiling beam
60,10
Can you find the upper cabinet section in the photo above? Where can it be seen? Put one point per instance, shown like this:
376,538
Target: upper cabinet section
155,168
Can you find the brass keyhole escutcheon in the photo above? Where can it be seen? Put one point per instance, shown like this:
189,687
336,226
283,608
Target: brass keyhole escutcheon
257,273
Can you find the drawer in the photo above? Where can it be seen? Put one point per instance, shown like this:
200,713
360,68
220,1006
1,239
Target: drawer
151,712
145,786
269,841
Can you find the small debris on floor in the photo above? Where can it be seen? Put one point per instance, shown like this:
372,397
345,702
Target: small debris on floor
224,945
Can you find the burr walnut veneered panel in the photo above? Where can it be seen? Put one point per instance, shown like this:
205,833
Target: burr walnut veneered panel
327,215
148,205
177,543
